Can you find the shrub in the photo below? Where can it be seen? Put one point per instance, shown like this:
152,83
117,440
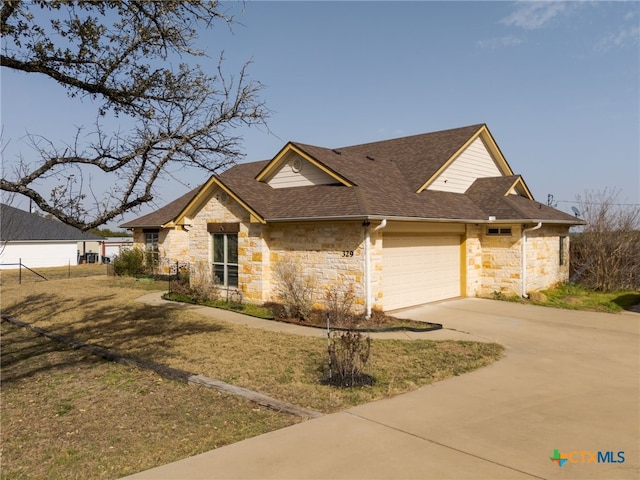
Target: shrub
339,305
202,286
295,289
349,352
130,262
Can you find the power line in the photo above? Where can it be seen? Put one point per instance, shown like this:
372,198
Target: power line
599,203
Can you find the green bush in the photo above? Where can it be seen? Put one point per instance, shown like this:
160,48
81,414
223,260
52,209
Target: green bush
130,263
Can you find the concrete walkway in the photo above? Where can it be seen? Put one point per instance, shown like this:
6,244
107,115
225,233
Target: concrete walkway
570,382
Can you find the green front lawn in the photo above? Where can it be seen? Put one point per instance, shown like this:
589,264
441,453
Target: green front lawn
576,297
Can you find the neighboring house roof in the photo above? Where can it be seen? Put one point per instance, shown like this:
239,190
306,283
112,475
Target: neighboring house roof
386,179
19,226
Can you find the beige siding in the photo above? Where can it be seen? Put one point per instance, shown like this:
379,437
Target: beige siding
475,162
307,175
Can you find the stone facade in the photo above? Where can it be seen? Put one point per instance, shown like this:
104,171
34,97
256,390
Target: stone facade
333,253
494,262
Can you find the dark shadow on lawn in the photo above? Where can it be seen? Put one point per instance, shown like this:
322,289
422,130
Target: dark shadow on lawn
144,331
25,354
628,301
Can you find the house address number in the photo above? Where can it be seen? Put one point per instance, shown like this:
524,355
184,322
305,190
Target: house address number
347,253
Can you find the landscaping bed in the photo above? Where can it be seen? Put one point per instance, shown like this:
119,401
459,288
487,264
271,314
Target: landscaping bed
379,321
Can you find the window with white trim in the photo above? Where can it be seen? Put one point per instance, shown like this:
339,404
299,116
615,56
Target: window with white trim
151,245
225,259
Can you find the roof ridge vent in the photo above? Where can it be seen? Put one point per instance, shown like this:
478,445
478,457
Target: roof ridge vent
369,157
336,151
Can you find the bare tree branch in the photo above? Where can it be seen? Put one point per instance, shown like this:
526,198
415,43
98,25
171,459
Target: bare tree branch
180,115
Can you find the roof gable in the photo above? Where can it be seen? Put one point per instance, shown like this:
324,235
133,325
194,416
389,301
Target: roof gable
499,186
421,157
213,184
298,165
474,161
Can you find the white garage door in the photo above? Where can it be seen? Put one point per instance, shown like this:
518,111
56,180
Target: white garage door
419,270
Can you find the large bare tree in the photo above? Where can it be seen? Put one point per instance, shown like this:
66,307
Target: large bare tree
119,54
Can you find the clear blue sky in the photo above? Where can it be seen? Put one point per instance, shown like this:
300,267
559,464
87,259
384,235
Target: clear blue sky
557,83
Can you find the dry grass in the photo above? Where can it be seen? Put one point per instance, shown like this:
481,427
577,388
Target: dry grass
60,406
66,415
13,276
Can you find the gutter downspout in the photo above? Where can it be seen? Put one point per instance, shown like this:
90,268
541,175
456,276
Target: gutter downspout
367,264
524,257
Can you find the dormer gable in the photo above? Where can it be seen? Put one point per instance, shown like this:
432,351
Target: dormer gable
519,188
479,157
504,186
293,166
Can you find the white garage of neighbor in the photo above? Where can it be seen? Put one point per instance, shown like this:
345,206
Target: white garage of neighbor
35,241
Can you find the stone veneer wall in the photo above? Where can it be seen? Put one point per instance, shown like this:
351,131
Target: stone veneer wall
332,254
174,244
473,257
543,257
251,246
494,263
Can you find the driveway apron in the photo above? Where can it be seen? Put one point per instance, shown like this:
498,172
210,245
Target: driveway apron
570,381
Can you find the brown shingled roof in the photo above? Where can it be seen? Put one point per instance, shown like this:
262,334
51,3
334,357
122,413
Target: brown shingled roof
385,176
165,214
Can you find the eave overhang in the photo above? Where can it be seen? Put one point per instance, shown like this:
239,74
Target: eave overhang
376,218
203,195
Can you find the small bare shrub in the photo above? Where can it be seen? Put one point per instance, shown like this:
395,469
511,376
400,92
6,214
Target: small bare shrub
339,304
235,299
201,283
295,289
349,352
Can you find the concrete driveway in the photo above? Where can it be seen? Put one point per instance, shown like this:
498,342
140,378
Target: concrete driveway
570,382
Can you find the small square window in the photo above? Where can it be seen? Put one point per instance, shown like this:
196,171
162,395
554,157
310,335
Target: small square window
499,231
